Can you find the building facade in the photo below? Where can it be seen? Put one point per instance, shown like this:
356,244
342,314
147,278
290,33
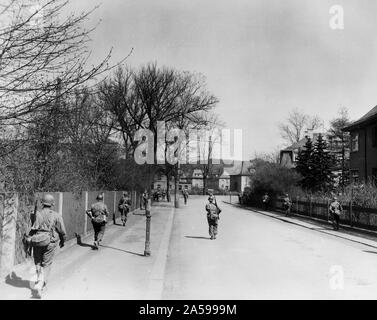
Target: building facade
191,178
363,149
240,175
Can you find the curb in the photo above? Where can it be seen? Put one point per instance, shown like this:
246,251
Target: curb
157,276
322,222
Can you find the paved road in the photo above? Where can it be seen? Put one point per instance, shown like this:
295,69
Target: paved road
259,257
254,257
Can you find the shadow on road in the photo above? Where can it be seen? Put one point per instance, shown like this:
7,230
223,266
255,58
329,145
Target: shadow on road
130,252
203,238
17,281
367,251
139,214
82,244
323,229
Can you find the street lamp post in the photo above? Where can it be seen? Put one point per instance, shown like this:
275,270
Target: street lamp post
176,195
147,251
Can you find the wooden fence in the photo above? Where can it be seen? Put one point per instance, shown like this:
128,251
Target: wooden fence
354,216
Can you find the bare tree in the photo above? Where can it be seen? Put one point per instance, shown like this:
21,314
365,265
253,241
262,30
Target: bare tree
139,99
209,141
296,124
38,45
69,145
271,157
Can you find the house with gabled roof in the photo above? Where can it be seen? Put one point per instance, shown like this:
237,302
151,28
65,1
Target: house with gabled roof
240,175
288,156
363,150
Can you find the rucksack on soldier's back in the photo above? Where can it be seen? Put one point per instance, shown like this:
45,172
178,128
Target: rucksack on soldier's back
41,238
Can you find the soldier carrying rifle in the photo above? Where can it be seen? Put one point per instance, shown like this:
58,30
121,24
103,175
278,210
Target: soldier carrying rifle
213,212
335,210
98,214
124,207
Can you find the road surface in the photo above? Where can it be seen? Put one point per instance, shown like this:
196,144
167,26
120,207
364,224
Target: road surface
258,257
254,257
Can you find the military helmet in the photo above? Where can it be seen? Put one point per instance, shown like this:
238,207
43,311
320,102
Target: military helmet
100,197
48,200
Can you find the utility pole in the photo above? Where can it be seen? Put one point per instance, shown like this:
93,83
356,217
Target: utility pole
176,195
147,251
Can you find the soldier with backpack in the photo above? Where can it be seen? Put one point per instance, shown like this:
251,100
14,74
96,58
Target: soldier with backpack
124,207
213,212
185,195
266,201
46,233
335,210
287,204
98,213
144,200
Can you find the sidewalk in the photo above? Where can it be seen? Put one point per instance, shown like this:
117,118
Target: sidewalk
118,270
366,237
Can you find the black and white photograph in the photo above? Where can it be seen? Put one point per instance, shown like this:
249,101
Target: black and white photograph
188,154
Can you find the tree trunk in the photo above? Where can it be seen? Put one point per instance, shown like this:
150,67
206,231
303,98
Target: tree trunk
204,185
168,187
343,169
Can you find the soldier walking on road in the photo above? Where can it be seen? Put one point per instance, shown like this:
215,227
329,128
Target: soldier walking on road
335,210
239,197
144,200
124,207
98,214
48,224
287,205
266,201
213,212
185,195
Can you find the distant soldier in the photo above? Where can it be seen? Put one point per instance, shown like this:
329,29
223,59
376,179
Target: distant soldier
213,212
287,205
124,207
266,201
144,199
239,197
98,213
48,224
335,211
185,195
156,196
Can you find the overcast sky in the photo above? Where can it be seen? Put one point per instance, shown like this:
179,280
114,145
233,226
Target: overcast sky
261,58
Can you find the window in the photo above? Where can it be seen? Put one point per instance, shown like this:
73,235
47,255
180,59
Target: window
355,176
374,137
354,141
